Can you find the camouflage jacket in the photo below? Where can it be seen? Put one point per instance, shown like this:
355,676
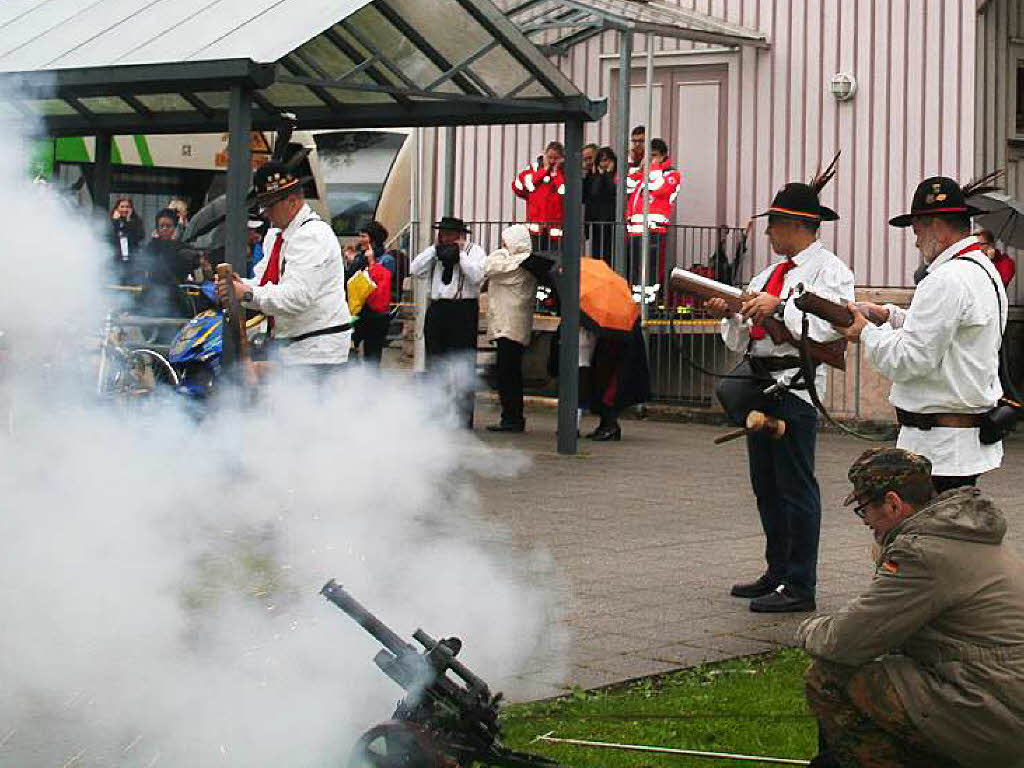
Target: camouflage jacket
945,615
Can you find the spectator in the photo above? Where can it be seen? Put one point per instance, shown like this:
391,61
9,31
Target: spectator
1003,263
372,328
542,186
256,230
599,188
163,265
126,236
589,154
637,140
719,261
662,187
511,296
180,207
454,267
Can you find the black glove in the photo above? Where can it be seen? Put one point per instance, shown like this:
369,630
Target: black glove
448,255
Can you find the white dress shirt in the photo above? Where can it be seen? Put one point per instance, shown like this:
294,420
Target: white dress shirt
310,294
467,275
820,271
944,358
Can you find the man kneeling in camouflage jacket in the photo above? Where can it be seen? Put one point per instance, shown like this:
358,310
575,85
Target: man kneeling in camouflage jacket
925,668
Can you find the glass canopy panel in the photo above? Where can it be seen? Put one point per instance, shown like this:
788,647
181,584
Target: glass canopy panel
454,34
214,99
360,97
106,105
533,91
50,107
398,49
331,59
289,95
500,70
165,102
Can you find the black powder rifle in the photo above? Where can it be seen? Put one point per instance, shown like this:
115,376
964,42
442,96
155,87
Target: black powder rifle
448,716
832,353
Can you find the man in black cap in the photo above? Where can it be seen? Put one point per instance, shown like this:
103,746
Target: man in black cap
926,666
300,285
454,267
782,470
942,354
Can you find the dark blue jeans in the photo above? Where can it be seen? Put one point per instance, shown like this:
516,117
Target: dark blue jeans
788,499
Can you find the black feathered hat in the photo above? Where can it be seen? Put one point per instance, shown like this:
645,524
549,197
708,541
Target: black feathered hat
800,201
940,195
274,181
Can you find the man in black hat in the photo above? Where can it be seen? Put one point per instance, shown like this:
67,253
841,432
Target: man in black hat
782,470
942,354
454,267
300,284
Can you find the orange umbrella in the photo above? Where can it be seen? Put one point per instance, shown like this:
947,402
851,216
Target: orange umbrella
605,297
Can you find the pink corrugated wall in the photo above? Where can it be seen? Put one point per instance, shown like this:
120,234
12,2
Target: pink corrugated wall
912,117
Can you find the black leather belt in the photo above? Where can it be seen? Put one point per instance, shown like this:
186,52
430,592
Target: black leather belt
930,420
322,332
773,364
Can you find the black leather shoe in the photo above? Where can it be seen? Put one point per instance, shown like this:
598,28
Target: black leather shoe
782,601
504,427
611,433
763,586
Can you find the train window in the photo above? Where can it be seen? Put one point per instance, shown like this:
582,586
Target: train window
355,166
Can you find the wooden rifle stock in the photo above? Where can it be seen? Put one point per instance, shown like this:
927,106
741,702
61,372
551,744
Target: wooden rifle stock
833,312
832,353
235,316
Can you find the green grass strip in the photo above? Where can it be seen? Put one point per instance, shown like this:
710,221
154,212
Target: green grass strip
752,705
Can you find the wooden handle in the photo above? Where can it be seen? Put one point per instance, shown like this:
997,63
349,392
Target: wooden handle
736,433
762,422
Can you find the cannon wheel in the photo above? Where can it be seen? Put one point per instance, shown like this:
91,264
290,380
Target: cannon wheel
397,744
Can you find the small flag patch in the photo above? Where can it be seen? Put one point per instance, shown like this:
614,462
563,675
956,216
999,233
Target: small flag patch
891,567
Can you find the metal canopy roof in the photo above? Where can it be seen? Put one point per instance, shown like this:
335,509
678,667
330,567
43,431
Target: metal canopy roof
165,66
573,21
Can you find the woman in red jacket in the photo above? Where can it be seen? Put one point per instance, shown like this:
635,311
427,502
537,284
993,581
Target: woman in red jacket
542,186
1004,265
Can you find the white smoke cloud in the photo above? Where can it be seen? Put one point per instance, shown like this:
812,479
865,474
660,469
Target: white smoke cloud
159,576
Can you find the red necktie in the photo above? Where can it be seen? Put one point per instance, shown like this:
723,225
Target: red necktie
272,274
774,287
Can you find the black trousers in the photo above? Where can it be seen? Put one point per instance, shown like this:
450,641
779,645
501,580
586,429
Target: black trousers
510,380
372,331
450,337
788,498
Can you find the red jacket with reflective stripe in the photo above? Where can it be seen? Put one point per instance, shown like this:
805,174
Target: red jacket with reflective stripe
543,193
662,188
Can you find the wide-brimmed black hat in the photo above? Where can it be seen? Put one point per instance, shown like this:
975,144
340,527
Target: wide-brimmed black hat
799,201
936,195
274,181
452,224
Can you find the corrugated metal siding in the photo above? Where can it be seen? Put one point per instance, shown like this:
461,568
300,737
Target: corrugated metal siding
911,117
1001,22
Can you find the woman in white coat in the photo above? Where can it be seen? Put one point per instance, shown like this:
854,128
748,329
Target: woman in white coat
511,296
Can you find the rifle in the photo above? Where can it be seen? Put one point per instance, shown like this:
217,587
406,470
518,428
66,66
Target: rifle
439,716
832,353
835,313
236,316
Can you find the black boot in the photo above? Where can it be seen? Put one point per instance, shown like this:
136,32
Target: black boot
602,426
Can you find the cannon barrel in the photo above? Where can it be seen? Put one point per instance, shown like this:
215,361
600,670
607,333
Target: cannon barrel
383,634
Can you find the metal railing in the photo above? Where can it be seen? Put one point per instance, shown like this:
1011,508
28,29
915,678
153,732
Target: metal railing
678,333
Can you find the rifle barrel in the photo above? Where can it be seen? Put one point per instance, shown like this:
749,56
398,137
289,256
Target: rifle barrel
383,634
